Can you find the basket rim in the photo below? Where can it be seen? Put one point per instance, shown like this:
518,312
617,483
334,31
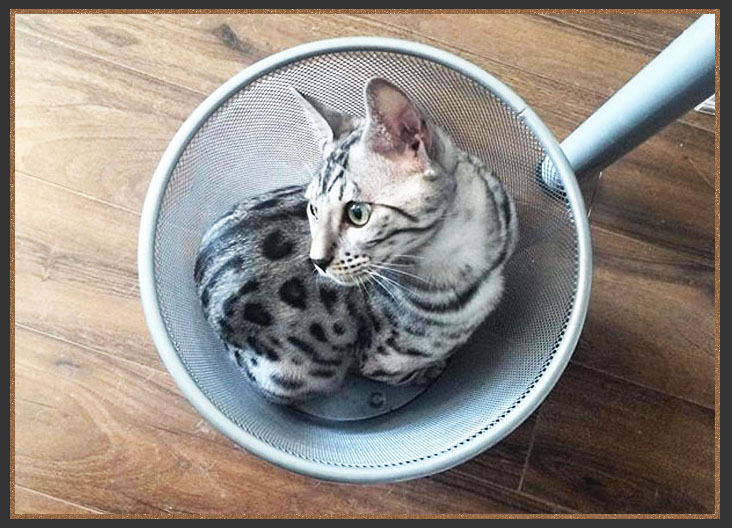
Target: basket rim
448,457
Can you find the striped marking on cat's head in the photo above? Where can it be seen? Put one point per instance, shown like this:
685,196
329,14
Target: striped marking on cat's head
378,193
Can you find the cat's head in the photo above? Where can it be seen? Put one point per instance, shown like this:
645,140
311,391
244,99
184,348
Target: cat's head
382,189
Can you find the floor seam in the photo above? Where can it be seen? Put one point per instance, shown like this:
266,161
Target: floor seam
87,347
529,451
641,385
697,258
59,499
78,193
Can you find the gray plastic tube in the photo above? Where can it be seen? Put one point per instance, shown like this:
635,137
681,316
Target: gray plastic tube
678,79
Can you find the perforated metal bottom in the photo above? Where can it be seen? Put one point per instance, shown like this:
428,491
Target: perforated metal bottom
360,399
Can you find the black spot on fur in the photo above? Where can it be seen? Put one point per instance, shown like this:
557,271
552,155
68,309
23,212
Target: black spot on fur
293,293
205,299
303,346
226,330
267,204
239,357
252,342
338,328
228,306
198,270
249,286
415,352
322,373
257,314
329,297
261,349
276,246
318,333
270,354
310,351
300,210
379,373
363,337
286,383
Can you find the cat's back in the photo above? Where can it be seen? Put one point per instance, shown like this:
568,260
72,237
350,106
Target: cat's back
290,331
265,235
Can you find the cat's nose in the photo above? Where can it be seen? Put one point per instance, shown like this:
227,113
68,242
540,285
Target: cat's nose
321,264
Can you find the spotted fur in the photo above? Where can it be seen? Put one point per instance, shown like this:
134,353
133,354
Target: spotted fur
391,299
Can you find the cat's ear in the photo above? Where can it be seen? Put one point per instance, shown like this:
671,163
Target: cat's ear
327,122
394,126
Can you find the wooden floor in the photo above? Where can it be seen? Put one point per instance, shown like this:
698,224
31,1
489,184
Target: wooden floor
101,427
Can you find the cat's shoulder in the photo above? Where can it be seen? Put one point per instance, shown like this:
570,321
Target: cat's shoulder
471,167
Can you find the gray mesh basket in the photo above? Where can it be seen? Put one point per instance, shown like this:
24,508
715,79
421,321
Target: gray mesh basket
250,136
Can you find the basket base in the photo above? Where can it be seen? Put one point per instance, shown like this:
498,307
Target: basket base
359,399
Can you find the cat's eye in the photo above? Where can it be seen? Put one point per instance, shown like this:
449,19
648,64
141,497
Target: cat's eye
358,213
313,210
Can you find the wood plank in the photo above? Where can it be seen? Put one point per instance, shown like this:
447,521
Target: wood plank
89,125
649,32
76,271
651,318
663,193
603,445
124,455
195,51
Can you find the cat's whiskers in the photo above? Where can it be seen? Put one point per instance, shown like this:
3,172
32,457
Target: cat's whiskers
396,284
375,277
399,286
363,287
388,268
